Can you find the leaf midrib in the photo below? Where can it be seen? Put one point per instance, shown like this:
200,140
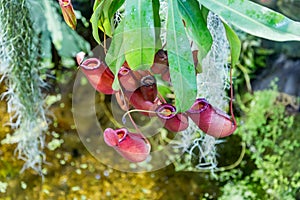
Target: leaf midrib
175,39
141,37
188,13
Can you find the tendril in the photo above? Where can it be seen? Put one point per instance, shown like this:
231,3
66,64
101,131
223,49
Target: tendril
231,98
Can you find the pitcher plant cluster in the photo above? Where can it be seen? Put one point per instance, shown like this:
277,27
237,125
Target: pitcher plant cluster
139,92
136,54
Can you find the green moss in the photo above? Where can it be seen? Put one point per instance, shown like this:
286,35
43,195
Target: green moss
270,135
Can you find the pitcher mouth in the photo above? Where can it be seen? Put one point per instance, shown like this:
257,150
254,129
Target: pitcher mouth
121,133
91,63
199,106
166,111
64,3
124,71
148,81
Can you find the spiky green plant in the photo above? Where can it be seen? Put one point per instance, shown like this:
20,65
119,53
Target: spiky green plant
20,66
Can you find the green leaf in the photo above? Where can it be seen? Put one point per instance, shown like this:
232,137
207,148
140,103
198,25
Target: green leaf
235,44
115,5
204,12
157,24
103,17
72,43
181,64
139,34
94,20
104,21
53,23
255,19
115,56
96,4
196,26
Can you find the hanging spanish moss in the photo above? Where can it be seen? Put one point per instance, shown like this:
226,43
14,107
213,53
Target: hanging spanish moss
212,84
20,66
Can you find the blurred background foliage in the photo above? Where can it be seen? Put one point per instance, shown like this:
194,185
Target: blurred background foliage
267,137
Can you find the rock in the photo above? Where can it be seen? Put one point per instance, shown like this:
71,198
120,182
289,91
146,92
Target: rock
286,70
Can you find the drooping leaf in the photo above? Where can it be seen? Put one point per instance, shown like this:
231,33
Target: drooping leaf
181,64
103,17
235,44
104,21
196,26
115,56
39,13
204,12
157,24
72,43
94,20
96,4
115,5
139,34
255,19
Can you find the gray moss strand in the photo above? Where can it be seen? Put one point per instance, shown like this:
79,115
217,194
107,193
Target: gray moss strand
20,64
